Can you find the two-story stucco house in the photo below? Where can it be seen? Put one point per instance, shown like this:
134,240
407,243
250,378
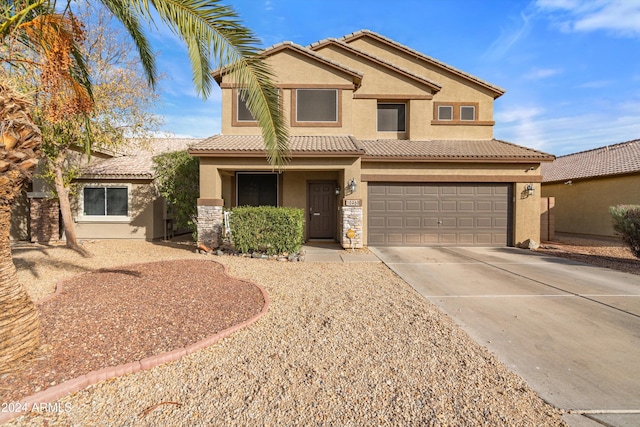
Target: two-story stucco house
384,141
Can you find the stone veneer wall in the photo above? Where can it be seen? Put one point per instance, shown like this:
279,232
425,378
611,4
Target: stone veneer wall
44,220
351,217
210,220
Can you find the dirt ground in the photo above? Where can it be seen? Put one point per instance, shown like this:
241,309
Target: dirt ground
603,252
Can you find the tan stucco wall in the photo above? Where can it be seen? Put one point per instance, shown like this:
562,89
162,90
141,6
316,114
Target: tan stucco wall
359,116
583,206
145,222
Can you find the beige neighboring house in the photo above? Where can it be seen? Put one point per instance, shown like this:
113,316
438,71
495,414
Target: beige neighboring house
116,198
587,183
388,145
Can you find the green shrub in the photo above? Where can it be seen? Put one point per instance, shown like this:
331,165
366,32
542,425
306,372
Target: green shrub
626,221
267,229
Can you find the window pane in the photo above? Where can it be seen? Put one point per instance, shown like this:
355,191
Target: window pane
243,111
391,117
468,112
445,112
117,203
317,105
257,189
93,201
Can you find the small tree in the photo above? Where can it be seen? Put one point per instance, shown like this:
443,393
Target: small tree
626,222
177,180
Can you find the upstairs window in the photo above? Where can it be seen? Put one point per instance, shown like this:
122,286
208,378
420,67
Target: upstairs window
391,117
243,114
456,113
316,107
105,201
445,112
467,112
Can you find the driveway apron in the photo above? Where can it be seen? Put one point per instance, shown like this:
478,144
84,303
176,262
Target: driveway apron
571,330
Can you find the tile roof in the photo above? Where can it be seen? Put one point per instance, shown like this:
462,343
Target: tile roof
355,35
389,65
254,144
617,159
138,164
485,149
385,149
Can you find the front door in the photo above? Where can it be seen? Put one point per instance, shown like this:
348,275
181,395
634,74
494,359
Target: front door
322,214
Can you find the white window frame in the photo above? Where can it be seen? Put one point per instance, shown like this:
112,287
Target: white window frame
473,108
103,218
450,107
337,109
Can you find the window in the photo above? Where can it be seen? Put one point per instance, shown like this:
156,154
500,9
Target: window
105,201
257,189
317,105
243,112
467,112
457,113
391,117
445,112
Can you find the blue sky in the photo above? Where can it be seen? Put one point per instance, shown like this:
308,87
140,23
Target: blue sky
571,68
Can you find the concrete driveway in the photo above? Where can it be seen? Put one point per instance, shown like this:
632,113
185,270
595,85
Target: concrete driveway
571,330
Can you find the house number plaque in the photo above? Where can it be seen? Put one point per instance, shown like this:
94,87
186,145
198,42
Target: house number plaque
355,203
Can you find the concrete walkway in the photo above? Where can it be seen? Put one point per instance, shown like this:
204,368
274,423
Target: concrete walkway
333,252
571,330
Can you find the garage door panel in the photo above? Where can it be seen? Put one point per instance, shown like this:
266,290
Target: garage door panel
417,214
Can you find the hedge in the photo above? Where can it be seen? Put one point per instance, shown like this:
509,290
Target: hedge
626,221
267,229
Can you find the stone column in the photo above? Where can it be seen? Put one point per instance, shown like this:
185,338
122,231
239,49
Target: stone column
351,220
44,220
210,218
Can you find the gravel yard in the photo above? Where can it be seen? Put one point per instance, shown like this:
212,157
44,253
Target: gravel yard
345,344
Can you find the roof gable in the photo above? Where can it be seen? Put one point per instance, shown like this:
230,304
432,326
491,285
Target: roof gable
617,159
349,38
300,50
323,44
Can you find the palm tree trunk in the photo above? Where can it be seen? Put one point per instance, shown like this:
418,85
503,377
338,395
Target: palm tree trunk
19,322
20,142
65,205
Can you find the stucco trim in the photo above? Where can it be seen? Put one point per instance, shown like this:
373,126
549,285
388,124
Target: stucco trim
391,96
449,178
210,202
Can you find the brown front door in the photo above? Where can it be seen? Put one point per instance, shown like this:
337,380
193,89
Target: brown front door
322,214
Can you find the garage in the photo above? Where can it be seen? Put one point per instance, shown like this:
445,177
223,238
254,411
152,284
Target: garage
423,214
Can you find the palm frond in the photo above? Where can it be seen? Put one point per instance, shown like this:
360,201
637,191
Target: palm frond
216,38
127,12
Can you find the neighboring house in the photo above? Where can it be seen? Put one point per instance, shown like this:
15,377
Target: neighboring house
384,141
587,183
116,198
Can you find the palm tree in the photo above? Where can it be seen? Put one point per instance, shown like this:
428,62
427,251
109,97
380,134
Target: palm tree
213,35
21,139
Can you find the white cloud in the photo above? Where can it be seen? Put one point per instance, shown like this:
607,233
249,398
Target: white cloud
508,38
621,17
542,73
519,124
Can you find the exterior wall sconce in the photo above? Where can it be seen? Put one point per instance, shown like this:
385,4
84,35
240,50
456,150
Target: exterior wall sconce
337,191
352,185
529,189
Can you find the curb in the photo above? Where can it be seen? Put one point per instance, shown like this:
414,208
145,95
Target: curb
65,388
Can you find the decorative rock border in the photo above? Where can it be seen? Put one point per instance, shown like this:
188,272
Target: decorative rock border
66,388
228,250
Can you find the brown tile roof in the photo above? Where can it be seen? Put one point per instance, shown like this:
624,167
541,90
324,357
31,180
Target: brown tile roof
335,42
466,150
617,159
254,145
139,164
362,33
